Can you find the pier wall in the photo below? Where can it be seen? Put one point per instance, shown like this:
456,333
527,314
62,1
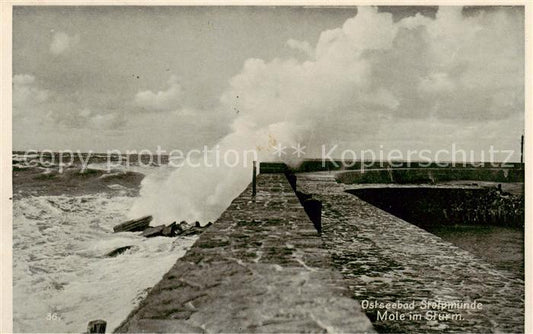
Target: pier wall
386,259
263,267
429,206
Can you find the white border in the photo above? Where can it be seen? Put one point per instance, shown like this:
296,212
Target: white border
6,297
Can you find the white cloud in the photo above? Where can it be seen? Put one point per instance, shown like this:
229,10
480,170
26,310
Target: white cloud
36,105
86,112
303,46
361,81
166,100
27,95
23,79
105,121
88,118
436,83
374,73
62,42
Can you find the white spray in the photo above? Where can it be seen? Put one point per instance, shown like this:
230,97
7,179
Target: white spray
358,83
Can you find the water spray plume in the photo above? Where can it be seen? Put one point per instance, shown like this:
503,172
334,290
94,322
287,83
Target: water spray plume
361,81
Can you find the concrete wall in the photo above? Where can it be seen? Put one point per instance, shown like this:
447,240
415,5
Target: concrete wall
316,165
431,175
426,206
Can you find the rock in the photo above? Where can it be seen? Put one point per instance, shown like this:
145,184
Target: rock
183,225
191,231
153,231
118,251
170,230
185,229
196,229
161,230
96,326
134,225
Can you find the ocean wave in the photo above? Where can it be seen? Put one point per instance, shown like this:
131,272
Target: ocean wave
60,265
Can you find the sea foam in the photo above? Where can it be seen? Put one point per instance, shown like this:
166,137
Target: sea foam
61,276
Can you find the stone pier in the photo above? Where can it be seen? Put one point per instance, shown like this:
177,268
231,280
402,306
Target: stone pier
262,267
386,259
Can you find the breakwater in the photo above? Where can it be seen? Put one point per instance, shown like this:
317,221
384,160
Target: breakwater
261,267
264,267
386,259
429,206
431,175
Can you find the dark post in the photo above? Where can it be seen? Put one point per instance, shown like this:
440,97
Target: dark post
253,179
96,326
522,150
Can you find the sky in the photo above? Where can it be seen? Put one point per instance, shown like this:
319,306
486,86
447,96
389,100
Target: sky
104,78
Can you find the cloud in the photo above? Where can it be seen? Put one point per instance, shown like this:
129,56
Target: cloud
373,72
303,46
62,42
436,83
23,79
166,100
91,119
41,106
106,121
27,95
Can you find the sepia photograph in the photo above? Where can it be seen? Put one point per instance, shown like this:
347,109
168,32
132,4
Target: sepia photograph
290,168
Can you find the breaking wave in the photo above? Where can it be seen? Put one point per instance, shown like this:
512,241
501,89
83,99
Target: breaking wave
61,276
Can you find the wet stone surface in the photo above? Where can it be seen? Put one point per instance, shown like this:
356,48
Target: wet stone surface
261,267
386,259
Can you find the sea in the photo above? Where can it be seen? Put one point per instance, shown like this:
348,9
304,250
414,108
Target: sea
62,231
